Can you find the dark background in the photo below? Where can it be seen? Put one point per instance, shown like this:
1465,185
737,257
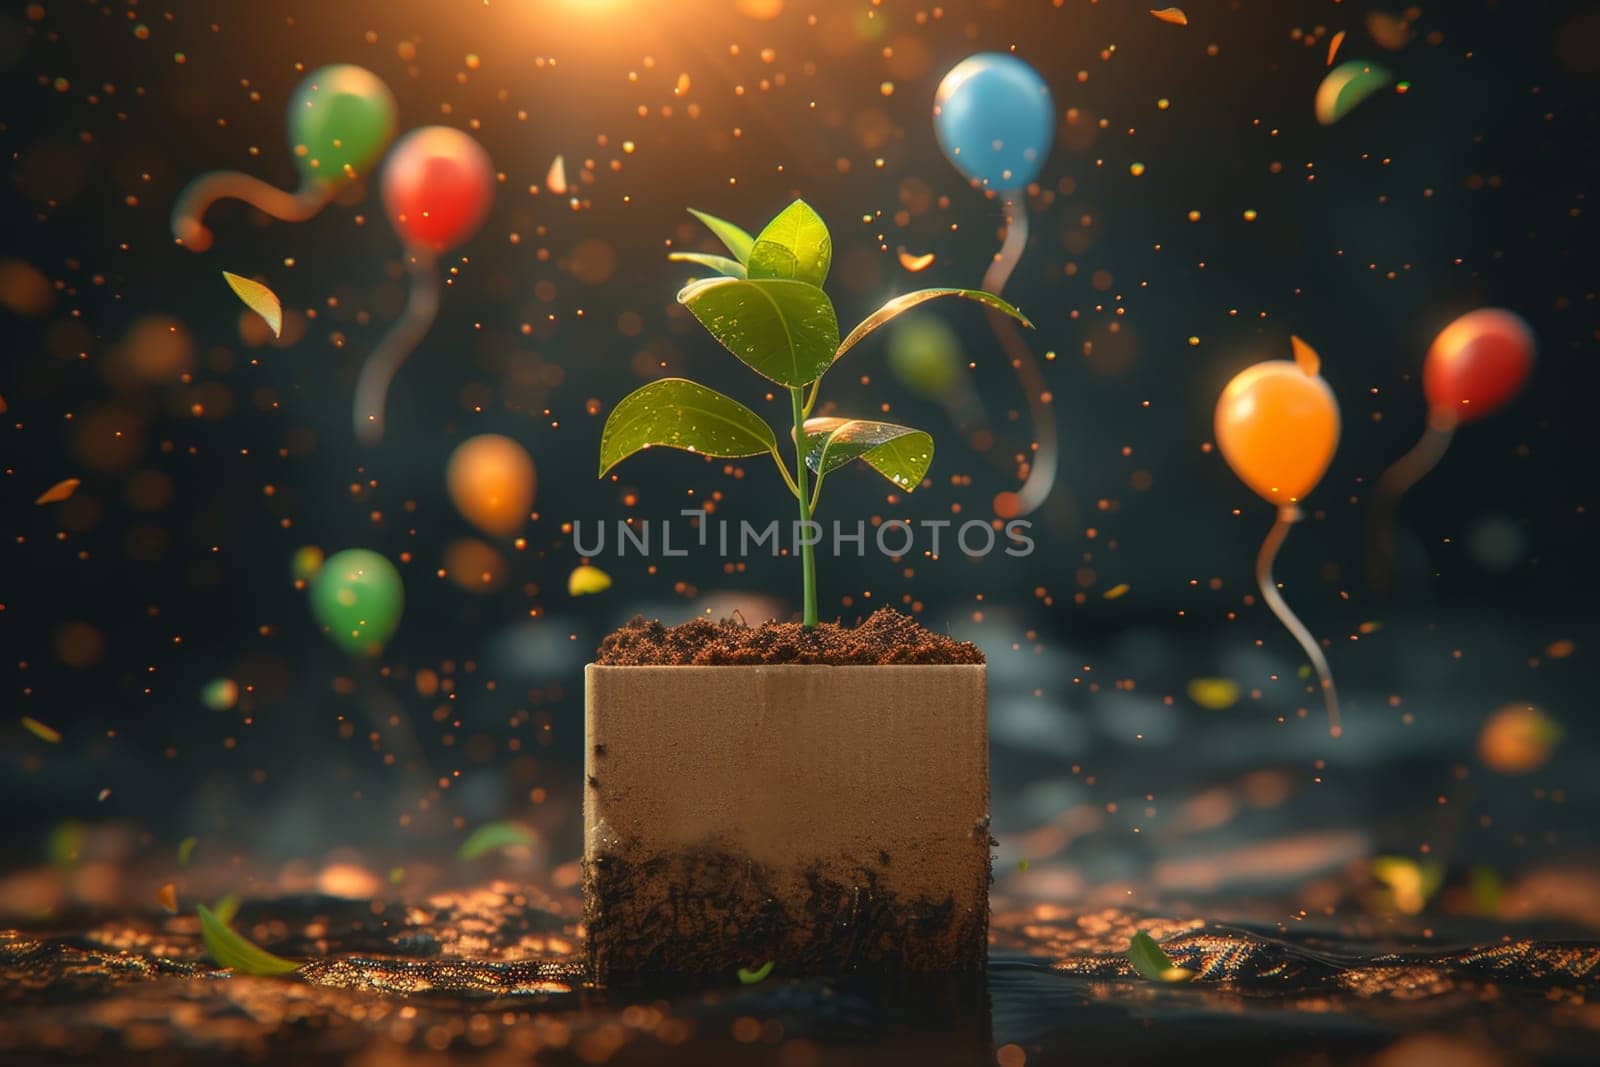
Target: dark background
1472,188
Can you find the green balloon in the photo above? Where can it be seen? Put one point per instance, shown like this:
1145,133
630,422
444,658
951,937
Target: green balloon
925,354
357,596
341,119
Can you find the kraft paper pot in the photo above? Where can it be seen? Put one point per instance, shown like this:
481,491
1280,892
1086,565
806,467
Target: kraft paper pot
827,819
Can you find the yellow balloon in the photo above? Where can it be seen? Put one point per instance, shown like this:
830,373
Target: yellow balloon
491,482
1277,425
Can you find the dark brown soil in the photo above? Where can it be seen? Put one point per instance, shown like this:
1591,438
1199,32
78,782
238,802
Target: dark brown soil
705,913
887,637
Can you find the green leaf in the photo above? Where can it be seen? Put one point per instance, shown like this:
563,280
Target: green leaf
922,296
755,977
186,849
784,330
226,909
899,453
733,237
679,413
230,950
494,836
1151,962
795,244
728,268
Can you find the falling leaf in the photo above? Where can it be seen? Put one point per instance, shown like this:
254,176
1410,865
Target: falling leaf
1152,962
1174,15
1115,591
234,952
1214,694
1561,649
38,729
1371,626
586,580
748,977
1410,883
59,492
495,835
1333,46
167,897
1305,357
556,179
226,909
186,850
683,84
1487,889
258,298
914,263
1344,87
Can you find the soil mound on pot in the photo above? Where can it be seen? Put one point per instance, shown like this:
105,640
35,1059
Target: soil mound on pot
887,637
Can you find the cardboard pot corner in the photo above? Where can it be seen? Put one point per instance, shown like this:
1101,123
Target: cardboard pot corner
832,819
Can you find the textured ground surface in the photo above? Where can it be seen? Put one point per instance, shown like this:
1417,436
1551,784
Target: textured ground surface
492,975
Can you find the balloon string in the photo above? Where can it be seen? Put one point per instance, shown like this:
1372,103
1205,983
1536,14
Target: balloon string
1042,469
1407,471
1288,515
372,387
188,214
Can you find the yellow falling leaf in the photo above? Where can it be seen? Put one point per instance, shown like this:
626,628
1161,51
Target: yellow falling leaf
1214,694
47,734
167,897
915,263
1115,591
556,179
586,580
1305,357
258,298
1173,15
59,492
1333,46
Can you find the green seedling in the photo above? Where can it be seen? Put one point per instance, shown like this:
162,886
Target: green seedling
768,308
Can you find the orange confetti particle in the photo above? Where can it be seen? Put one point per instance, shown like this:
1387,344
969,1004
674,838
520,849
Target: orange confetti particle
556,179
58,492
1115,591
1305,357
1561,649
1333,46
915,263
1173,15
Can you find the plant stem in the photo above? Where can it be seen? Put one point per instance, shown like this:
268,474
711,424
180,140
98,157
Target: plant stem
808,565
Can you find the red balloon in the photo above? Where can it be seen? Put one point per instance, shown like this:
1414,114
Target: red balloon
437,185
1477,363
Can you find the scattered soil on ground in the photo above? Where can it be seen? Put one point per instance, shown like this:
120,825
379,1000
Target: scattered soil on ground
887,637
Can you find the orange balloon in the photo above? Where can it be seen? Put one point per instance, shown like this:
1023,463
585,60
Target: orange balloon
491,481
1277,425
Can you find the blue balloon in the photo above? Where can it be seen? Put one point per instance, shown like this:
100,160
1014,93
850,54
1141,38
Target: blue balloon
995,120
